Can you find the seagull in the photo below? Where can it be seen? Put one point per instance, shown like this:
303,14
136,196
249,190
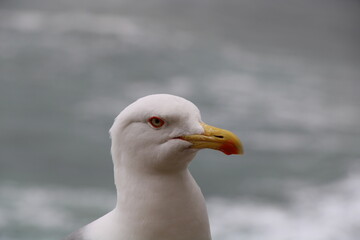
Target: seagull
153,141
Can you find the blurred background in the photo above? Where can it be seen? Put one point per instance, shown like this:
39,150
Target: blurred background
284,75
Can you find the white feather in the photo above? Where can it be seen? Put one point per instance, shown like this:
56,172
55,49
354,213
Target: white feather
157,198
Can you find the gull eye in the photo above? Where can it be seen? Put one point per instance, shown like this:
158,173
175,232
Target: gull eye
156,122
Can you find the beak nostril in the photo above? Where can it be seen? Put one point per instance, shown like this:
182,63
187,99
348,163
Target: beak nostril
218,136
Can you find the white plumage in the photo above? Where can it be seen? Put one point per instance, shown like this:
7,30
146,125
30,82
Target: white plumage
153,141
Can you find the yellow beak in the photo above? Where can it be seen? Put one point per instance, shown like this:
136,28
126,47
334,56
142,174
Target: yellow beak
216,138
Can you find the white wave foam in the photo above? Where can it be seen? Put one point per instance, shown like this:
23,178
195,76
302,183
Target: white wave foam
49,209
69,21
127,29
331,212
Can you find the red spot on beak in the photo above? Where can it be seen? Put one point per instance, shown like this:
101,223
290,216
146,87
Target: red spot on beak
229,148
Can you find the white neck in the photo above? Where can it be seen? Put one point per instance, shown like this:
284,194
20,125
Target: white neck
161,206
153,205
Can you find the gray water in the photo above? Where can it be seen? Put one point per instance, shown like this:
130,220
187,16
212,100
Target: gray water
283,75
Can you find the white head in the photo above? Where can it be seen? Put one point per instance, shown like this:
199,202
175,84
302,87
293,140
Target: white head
161,133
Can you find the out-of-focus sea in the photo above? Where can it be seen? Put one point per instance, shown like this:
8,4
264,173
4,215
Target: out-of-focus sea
283,75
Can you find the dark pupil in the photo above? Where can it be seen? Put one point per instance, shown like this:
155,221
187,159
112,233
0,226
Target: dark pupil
156,121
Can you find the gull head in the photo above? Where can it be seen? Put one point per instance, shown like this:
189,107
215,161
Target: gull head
163,132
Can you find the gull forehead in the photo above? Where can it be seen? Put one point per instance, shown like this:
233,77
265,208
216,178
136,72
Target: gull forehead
165,105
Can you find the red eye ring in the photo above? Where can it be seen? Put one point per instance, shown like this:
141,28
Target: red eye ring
156,122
